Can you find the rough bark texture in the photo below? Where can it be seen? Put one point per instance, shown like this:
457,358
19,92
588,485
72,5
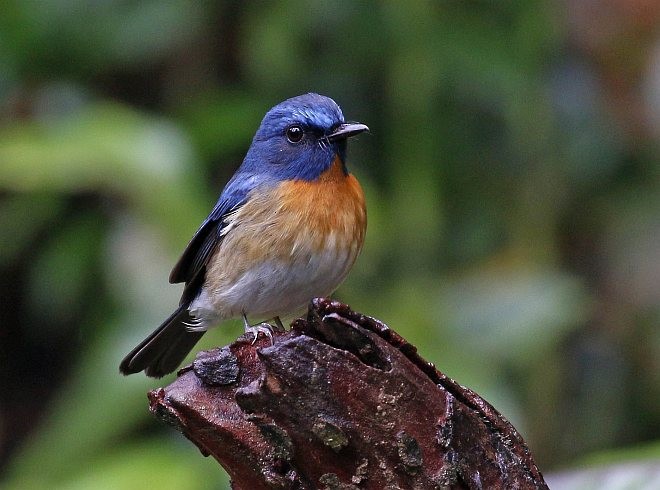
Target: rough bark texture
341,402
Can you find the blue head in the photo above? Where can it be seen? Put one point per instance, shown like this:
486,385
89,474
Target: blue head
300,139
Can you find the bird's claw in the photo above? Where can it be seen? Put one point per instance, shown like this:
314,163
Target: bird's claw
263,328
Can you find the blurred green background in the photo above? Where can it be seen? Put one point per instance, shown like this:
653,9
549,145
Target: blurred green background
513,186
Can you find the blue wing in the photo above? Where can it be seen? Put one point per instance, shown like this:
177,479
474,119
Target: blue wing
198,252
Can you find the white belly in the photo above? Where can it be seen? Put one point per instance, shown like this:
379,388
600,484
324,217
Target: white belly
275,288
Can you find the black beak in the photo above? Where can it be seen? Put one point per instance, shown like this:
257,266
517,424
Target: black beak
346,130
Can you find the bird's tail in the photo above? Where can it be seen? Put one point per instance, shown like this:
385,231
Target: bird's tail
164,350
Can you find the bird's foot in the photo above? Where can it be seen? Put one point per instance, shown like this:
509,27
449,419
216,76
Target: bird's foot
264,328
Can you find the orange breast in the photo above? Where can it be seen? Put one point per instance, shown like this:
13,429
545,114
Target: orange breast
291,223
331,206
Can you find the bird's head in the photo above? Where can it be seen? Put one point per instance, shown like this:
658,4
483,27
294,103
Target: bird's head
300,138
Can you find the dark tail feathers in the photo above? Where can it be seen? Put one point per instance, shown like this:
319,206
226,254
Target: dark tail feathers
164,350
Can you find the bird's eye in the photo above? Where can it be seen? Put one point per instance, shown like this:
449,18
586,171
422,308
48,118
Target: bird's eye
294,134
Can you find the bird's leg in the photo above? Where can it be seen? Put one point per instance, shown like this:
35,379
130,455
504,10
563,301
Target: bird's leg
278,324
264,328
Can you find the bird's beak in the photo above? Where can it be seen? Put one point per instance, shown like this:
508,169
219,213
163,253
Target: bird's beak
347,130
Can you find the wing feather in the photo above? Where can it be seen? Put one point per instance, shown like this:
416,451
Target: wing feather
203,243
196,256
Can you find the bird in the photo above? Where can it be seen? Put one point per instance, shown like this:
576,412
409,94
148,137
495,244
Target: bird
287,227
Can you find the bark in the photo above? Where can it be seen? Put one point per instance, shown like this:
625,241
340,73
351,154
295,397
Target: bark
341,402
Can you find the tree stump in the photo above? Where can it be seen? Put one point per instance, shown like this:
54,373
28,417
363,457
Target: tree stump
341,402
